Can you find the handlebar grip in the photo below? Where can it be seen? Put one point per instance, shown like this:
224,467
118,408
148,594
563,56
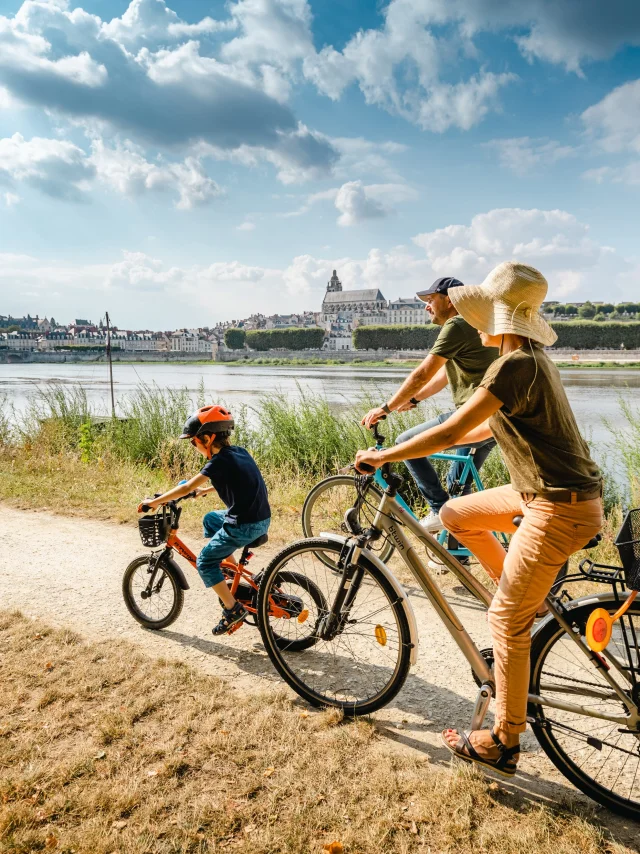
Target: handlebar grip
366,468
145,508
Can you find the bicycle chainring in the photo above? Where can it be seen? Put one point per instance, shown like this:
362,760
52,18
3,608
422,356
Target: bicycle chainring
488,656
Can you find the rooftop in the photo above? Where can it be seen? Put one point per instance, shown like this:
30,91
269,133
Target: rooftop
366,295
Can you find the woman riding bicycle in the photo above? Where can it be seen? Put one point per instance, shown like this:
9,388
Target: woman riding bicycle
555,485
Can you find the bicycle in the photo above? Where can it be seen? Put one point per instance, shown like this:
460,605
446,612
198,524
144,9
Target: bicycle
153,584
324,506
584,705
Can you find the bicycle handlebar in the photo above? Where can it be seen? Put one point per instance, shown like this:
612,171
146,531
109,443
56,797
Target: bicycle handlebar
174,501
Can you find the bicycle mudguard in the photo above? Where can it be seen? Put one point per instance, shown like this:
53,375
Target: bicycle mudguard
593,599
393,581
174,569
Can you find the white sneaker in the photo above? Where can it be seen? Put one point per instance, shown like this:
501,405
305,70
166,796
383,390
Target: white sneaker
431,523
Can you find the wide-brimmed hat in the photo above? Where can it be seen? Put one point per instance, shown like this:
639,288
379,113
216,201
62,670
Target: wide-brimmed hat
507,302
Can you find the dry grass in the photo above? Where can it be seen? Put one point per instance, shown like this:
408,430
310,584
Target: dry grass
110,489
105,751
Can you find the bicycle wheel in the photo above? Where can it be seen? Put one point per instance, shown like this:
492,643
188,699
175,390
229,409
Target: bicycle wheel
363,664
303,603
154,607
324,508
601,758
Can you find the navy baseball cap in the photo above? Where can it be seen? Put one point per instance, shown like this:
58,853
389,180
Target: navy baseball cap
440,286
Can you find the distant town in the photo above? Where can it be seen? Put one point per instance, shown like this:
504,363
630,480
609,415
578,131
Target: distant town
342,311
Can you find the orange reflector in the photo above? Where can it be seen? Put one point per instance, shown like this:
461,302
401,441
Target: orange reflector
381,636
302,616
598,633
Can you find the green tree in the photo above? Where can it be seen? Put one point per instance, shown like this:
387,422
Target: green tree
309,338
600,316
570,310
606,308
587,311
559,309
234,338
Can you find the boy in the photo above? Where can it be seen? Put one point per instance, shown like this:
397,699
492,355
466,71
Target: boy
237,480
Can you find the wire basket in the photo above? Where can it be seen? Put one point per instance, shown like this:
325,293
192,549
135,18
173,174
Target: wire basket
153,530
628,543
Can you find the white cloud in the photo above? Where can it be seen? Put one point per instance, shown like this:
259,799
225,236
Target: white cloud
56,167
629,175
359,156
357,202
247,225
613,122
152,23
524,154
11,199
554,241
355,205
124,169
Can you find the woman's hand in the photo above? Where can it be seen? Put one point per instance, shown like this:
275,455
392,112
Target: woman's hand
369,458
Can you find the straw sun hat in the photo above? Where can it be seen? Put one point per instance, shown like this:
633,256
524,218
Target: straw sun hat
507,302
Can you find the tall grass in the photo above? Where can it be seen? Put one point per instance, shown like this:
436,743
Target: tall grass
304,438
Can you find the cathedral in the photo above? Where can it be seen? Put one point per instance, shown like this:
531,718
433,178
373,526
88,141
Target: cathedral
351,306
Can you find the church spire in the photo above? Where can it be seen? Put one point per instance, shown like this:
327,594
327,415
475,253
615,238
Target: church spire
334,284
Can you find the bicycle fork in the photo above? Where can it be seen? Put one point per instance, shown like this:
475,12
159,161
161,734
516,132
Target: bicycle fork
336,618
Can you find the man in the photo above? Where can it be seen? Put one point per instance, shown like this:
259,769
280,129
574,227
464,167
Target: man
457,358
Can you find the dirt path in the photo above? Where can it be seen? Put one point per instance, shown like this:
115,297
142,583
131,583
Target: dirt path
68,570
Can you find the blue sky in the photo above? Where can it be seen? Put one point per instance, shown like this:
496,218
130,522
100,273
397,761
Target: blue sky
186,162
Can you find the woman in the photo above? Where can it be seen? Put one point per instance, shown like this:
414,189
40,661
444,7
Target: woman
555,485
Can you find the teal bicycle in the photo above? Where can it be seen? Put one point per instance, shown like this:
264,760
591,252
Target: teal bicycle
325,505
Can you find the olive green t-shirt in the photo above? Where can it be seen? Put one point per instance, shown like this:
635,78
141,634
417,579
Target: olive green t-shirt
467,359
535,428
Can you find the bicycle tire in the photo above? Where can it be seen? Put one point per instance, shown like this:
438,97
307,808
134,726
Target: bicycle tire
277,654
316,594
550,733
130,601
309,529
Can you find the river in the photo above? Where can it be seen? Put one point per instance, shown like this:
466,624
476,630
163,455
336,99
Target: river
594,394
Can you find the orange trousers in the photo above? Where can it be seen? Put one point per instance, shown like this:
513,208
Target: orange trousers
549,533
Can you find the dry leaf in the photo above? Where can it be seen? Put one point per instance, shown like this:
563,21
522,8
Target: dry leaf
48,666
152,773
334,848
101,755
51,840
118,825
414,827
37,637
304,714
268,771
224,732
494,787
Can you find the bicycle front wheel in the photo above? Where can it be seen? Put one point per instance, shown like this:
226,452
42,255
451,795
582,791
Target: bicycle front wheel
153,596
600,757
359,667
325,505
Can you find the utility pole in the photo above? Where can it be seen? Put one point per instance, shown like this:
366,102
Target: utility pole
113,402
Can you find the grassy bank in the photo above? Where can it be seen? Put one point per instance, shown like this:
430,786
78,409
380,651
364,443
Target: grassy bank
154,758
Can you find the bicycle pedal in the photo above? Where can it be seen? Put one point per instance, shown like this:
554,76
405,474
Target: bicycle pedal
235,628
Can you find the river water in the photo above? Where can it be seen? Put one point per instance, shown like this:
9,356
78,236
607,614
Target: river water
594,394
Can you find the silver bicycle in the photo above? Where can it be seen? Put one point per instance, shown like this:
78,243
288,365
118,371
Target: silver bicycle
584,706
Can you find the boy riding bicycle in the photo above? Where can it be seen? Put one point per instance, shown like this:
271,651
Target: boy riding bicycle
236,478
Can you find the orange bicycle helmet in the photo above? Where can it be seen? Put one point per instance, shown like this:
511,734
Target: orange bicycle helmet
208,419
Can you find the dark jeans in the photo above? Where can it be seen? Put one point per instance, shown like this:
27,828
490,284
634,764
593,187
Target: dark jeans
426,476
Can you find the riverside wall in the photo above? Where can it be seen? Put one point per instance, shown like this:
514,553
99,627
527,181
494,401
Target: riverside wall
346,356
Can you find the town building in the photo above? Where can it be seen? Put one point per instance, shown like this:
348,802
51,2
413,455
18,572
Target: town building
350,304
409,311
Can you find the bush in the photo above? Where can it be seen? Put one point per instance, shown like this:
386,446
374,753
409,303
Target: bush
310,338
591,335
395,337
587,311
235,338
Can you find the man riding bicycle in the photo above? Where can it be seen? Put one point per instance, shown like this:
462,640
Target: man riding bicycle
457,358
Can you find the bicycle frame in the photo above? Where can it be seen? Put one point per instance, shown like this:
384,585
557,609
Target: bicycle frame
391,517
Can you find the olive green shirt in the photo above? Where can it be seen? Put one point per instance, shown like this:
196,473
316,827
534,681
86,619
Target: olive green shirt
536,428
467,359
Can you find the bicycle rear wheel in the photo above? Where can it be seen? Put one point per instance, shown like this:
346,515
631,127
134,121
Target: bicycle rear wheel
154,605
601,758
365,663
325,505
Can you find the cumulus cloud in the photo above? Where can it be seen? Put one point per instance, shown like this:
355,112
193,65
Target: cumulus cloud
55,167
357,202
554,241
524,154
612,123
124,169
355,205
169,94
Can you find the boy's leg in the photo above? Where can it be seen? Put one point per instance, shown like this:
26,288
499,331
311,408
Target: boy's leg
422,470
219,547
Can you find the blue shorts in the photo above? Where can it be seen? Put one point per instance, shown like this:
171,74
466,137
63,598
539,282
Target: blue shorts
225,539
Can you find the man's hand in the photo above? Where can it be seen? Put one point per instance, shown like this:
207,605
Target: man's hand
369,458
406,407
373,416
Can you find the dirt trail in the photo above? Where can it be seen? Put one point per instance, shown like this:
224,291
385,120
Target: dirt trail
68,570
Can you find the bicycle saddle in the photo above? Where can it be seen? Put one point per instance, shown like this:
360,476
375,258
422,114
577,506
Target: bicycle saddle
593,542
264,538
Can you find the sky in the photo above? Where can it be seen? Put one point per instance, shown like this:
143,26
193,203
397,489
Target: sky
186,162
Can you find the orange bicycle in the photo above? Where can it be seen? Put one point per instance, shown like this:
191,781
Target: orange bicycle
153,584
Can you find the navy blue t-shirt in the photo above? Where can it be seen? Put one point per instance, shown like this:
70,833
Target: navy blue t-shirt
238,482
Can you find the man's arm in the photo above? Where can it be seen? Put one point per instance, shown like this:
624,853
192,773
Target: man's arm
468,425
413,384
432,387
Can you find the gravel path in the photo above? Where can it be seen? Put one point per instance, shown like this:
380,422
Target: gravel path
68,570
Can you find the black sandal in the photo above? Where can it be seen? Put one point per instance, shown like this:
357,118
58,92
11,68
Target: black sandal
503,765
232,619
